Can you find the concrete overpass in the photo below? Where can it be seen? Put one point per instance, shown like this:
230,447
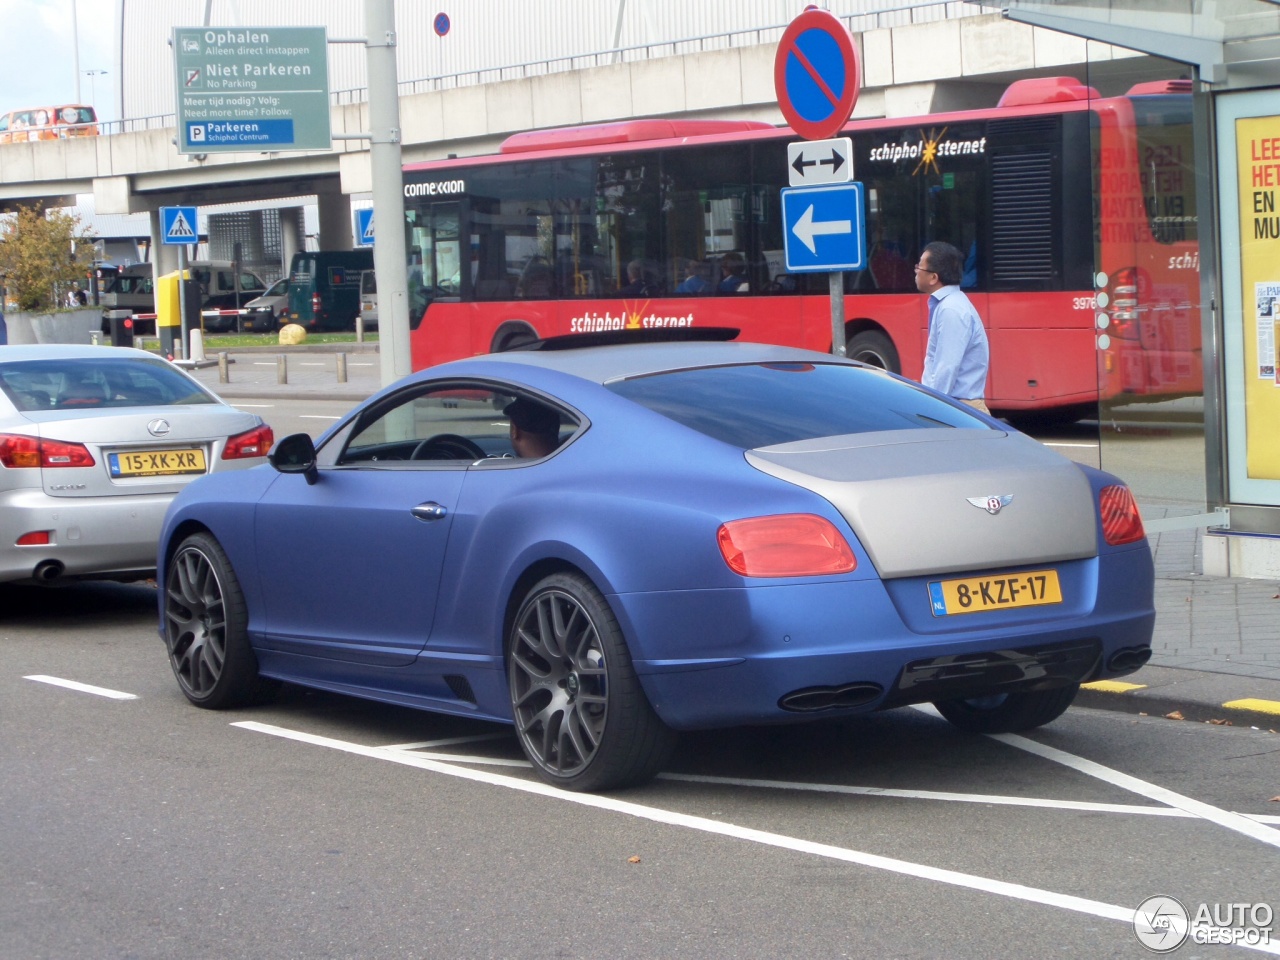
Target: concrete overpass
907,70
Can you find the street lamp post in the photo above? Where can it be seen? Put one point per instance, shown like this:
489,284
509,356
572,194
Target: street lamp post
93,86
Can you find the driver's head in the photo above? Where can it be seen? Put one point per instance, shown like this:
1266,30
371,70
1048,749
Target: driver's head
535,427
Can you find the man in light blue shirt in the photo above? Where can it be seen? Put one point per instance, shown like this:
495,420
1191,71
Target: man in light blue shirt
955,361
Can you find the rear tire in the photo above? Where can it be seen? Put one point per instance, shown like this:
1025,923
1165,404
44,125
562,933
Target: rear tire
874,349
582,718
1008,712
205,629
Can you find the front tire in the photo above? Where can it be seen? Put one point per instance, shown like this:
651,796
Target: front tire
582,718
1008,712
205,629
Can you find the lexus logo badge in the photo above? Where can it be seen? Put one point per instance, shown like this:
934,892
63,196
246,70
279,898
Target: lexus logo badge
992,505
159,427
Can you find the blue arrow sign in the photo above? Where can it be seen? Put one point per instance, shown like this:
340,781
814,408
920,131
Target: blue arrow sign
824,228
178,226
364,227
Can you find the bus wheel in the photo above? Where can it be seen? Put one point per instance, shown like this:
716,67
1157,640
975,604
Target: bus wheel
513,339
874,349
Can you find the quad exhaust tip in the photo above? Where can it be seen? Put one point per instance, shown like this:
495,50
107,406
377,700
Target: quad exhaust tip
1129,659
814,699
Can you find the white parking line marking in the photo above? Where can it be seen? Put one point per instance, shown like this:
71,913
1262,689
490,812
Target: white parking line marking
82,687
1083,446
448,742
1016,891
254,406
847,789
315,416
1223,818
931,795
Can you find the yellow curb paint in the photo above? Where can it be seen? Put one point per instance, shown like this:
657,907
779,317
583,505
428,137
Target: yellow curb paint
1257,706
1112,686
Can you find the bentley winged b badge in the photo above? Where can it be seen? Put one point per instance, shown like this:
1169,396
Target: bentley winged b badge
992,505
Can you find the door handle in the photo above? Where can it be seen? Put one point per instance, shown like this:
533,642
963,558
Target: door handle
429,511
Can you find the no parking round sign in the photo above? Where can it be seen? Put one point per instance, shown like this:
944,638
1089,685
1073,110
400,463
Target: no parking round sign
816,75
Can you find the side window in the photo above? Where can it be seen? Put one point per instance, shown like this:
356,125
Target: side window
454,425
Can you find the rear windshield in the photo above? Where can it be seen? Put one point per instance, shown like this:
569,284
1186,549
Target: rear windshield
758,405
85,383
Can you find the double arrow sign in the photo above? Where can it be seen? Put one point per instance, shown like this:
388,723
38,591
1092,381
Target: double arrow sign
820,161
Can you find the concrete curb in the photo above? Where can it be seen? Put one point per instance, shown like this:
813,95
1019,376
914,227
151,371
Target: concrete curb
1198,696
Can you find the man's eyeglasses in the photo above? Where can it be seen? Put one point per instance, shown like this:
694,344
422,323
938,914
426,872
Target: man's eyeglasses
921,268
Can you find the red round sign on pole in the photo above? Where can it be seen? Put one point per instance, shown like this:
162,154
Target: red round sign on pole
816,75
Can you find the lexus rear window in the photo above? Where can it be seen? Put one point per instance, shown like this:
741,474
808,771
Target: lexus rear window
758,405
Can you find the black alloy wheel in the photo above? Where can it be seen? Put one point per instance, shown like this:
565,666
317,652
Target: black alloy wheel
205,629
580,713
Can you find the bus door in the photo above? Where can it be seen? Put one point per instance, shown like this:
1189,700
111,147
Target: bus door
436,277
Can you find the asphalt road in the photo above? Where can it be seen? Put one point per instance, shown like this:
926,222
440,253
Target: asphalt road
320,826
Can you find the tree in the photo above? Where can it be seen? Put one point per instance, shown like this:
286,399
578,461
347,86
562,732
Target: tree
41,254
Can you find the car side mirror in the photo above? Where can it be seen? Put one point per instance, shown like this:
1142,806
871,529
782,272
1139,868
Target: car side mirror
296,453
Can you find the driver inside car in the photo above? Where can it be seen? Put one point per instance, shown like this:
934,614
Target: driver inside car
535,428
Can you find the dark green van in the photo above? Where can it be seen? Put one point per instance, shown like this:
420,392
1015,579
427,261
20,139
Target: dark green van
324,288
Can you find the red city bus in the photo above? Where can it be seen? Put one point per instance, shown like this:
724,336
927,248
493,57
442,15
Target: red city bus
1076,214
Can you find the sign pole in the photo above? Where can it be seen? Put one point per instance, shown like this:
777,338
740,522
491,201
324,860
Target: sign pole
182,300
388,191
836,279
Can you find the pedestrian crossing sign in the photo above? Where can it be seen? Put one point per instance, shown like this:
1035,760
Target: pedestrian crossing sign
178,225
364,227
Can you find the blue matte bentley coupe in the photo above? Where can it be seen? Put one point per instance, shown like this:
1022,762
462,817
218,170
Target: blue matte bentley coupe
606,545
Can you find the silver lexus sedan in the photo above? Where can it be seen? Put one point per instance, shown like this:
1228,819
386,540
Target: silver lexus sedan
94,443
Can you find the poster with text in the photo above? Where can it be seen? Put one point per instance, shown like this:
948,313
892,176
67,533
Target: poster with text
1258,163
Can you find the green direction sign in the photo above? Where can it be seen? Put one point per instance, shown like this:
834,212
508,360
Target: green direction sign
254,89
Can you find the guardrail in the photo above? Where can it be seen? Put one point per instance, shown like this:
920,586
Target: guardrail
905,15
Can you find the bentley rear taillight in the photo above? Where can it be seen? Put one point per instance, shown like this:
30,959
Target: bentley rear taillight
1121,521
790,545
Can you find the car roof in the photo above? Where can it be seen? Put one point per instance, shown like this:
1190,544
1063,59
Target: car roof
68,351
604,364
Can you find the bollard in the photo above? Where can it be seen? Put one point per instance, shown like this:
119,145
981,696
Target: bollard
197,346
224,372
342,366
359,328
282,369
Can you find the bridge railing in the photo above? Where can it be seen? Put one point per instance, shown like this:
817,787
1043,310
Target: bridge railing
905,15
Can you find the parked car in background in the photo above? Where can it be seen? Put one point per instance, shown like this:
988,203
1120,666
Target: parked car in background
224,291
94,443
262,314
130,294
607,544
369,299
324,288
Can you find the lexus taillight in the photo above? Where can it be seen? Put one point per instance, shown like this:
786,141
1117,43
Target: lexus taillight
18,451
252,443
790,545
1121,522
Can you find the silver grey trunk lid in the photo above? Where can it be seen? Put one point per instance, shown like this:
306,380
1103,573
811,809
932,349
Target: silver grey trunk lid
907,494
